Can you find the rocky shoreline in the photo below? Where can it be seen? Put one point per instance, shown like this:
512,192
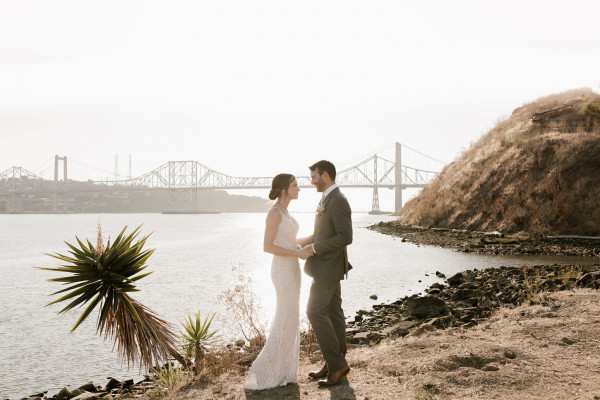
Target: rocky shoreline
463,300
466,299
492,242
114,389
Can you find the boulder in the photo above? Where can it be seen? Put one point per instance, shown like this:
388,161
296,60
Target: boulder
359,338
77,392
427,306
89,387
112,384
399,329
64,394
456,279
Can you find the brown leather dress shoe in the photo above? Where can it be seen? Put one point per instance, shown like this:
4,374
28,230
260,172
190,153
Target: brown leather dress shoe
334,378
322,373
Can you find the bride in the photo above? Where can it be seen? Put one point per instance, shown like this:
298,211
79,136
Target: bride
277,363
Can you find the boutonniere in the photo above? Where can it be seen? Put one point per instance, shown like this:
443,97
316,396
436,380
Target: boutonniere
320,209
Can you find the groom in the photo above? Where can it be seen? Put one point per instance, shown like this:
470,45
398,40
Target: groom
327,266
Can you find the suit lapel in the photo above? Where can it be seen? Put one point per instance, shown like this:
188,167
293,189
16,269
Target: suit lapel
324,204
330,196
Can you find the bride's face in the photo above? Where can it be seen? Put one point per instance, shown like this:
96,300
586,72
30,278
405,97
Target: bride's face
293,189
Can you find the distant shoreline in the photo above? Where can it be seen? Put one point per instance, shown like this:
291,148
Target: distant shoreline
493,242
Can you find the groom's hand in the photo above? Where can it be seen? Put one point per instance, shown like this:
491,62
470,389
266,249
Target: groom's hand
306,252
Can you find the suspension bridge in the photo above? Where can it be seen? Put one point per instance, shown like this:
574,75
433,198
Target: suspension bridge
184,179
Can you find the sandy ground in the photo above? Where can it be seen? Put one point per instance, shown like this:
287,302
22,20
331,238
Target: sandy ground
529,352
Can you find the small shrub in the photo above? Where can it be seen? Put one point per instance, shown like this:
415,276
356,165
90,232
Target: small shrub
245,309
591,115
198,338
169,377
308,340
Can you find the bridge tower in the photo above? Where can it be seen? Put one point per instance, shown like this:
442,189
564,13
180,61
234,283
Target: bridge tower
375,205
56,160
398,178
183,186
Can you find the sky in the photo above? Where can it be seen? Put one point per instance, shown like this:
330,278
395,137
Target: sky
254,88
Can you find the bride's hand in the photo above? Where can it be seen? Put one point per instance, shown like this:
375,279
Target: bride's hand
305,252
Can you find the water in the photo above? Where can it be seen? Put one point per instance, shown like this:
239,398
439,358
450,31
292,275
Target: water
192,266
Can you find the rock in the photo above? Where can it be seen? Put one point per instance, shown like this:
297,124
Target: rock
64,394
399,329
127,384
422,329
77,392
373,297
86,396
567,341
89,387
112,384
441,322
510,354
490,367
439,274
456,279
375,337
462,294
427,306
359,338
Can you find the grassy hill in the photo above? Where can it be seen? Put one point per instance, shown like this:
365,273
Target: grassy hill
537,171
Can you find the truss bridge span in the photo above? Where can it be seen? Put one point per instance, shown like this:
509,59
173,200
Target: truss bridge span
183,180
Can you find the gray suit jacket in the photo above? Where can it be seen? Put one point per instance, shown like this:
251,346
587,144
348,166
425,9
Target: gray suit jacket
333,232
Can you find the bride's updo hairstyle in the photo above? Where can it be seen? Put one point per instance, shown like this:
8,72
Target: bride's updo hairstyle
280,183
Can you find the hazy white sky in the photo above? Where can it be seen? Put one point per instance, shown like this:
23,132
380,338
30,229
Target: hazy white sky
253,88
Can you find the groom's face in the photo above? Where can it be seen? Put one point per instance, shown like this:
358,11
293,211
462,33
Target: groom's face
316,179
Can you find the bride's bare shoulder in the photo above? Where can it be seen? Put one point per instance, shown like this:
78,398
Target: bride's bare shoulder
274,214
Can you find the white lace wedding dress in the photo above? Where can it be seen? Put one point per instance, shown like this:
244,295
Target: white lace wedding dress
277,363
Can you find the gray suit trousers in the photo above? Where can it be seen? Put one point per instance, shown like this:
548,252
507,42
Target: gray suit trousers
324,311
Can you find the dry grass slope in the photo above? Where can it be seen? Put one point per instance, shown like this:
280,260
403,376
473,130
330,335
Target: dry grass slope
529,352
538,171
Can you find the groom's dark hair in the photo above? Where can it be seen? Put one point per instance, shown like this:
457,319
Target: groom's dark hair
324,166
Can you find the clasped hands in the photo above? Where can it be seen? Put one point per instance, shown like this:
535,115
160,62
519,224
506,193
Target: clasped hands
305,252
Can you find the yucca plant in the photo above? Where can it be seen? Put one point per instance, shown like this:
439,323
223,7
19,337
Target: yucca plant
197,338
103,276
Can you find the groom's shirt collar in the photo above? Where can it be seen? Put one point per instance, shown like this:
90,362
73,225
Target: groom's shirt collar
329,190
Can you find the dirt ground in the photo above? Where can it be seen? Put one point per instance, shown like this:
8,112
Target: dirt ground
529,352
